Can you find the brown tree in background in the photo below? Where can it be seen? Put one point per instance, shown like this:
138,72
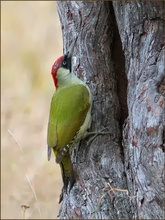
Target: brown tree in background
119,54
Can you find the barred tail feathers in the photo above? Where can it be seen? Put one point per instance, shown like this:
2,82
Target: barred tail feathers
68,173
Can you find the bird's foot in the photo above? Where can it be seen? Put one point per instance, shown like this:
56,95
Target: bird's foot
95,134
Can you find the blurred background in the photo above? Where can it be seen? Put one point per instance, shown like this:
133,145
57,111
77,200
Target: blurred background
31,40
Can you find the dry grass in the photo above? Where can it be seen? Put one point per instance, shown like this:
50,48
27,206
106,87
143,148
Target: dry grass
30,42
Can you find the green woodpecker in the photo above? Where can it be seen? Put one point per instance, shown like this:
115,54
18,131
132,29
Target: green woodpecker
70,115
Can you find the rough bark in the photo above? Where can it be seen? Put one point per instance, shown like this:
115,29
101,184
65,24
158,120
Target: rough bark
100,162
141,28
105,163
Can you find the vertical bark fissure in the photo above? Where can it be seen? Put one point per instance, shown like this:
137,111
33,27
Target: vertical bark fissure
118,60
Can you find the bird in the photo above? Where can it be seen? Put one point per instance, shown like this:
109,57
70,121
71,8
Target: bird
69,117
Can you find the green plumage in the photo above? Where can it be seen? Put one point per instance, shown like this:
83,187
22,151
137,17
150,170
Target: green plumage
68,110
70,106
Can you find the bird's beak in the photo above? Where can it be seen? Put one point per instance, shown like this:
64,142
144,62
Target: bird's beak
69,53
66,63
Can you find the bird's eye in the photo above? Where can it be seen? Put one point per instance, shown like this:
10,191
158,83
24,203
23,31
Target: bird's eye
64,63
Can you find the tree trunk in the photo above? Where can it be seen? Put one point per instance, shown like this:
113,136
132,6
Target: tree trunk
110,165
141,28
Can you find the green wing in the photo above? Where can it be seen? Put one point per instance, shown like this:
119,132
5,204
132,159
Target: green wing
68,110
